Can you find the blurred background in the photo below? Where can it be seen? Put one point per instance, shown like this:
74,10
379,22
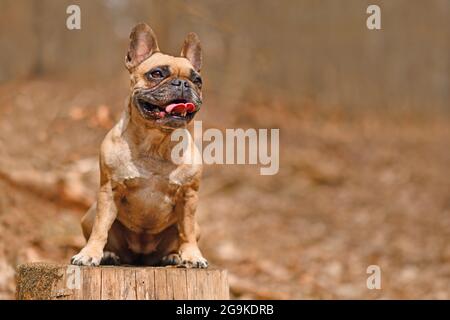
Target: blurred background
364,129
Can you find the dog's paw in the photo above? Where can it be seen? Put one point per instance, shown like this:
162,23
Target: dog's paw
87,257
172,259
200,262
110,258
192,258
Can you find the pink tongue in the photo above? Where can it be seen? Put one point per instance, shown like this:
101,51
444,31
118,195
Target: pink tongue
180,107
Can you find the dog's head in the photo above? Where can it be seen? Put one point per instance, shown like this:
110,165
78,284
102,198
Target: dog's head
165,90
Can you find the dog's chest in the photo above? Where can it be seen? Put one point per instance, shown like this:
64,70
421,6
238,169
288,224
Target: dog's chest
147,193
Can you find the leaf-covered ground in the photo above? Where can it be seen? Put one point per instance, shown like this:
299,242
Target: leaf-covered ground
354,189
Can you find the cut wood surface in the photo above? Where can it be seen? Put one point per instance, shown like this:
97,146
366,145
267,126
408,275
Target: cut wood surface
47,281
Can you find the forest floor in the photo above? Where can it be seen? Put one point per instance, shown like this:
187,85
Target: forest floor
354,189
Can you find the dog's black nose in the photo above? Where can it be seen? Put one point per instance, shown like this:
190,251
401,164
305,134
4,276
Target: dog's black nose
178,83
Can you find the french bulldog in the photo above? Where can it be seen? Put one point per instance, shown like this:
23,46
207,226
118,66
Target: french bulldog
146,203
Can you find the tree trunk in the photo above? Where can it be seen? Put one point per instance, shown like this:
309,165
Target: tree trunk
46,281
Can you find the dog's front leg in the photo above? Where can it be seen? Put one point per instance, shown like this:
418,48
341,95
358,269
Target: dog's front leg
187,231
92,253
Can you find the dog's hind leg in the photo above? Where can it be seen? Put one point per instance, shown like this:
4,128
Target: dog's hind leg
167,250
110,258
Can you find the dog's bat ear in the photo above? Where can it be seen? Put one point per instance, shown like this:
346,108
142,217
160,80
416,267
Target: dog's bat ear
192,50
143,44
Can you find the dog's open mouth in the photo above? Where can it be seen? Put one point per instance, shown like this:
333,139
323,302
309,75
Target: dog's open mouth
179,109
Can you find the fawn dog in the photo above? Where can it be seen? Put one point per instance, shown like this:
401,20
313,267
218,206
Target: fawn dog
145,208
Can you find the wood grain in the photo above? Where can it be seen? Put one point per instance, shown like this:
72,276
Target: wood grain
43,281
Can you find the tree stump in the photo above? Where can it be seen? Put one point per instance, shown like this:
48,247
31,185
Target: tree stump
46,281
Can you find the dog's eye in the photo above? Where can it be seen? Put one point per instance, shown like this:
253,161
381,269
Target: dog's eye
155,74
198,81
